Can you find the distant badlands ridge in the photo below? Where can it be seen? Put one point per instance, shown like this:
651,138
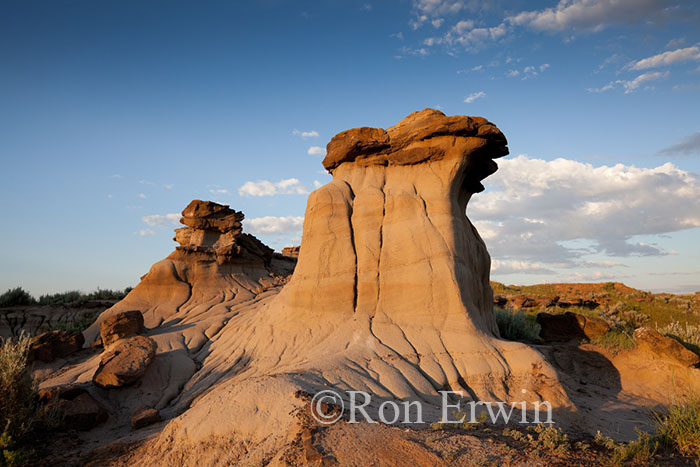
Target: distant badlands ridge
389,294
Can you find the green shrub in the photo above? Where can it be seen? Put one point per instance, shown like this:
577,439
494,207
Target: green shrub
517,326
76,297
16,297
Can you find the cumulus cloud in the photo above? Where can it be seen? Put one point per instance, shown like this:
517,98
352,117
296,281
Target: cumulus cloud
305,134
162,220
667,58
589,15
632,85
517,267
474,96
287,186
146,232
687,147
274,225
554,213
316,151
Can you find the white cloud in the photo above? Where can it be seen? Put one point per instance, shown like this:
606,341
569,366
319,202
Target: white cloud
169,186
478,68
667,58
466,35
513,267
142,196
288,186
146,232
305,134
436,7
117,176
557,212
109,196
632,85
596,276
474,96
437,22
316,151
162,220
590,15
274,225
529,71
219,191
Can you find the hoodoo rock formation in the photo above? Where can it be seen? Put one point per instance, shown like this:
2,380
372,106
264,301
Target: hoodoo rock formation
390,295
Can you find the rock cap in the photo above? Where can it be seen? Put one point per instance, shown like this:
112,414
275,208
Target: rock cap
376,146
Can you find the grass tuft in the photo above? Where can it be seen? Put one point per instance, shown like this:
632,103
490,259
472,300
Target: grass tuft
616,340
517,326
679,429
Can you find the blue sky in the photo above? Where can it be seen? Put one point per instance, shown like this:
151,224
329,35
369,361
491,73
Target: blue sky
114,115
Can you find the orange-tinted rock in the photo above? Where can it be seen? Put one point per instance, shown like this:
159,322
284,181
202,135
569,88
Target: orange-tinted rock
659,346
55,344
208,215
291,251
410,142
214,231
125,362
121,325
570,326
65,392
82,413
143,417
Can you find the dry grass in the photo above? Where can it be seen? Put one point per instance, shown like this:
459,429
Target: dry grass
18,411
679,429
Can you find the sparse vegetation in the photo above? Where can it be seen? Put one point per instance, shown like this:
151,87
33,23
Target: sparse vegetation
18,411
641,450
616,340
20,297
687,335
16,297
517,325
679,429
542,437
619,304
75,297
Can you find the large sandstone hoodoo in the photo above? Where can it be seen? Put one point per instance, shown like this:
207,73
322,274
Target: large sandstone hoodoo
391,267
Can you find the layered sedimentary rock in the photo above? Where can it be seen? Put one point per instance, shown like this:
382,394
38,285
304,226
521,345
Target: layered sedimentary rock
216,231
390,295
